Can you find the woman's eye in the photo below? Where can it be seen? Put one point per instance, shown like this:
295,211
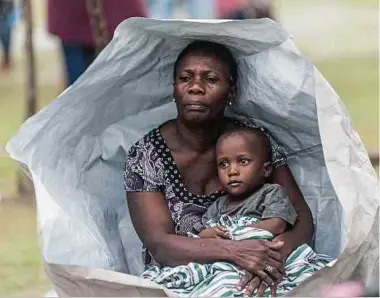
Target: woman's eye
211,80
184,78
223,164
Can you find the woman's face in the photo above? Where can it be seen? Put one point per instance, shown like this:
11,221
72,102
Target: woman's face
201,88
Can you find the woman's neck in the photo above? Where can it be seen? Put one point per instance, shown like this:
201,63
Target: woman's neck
200,137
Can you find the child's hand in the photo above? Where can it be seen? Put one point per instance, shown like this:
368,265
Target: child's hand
215,232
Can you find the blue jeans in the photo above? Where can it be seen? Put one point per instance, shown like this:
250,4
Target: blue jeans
6,26
77,59
197,9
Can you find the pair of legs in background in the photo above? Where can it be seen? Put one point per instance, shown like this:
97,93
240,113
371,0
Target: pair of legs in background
76,58
7,20
5,40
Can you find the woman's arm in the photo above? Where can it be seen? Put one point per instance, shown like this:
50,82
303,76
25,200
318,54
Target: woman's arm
303,229
153,224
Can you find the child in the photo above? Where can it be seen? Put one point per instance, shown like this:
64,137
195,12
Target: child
252,209
244,166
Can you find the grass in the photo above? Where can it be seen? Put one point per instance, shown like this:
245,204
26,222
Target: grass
21,270
356,81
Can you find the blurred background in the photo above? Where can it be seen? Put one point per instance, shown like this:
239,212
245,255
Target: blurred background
46,44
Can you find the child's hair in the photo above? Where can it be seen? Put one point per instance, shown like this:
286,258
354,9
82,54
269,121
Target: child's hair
257,137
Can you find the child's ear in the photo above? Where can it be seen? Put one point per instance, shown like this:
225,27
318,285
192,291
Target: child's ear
267,169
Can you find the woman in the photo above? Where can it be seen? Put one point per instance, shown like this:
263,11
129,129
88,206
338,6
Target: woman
170,176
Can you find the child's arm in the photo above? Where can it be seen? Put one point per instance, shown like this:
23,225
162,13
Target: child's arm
274,225
279,213
219,232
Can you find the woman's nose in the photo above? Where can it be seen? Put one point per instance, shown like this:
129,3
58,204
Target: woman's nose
196,88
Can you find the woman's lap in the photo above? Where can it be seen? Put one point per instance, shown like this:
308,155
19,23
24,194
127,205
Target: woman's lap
221,278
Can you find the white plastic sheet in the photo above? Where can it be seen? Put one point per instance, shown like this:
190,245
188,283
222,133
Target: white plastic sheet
75,147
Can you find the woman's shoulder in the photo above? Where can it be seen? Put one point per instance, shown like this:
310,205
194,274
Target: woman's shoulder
145,143
154,139
144,166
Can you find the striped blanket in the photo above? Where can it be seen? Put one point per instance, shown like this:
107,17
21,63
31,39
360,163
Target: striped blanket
220,279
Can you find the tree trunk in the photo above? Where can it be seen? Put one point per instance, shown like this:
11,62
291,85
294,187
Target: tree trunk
98,24
25,185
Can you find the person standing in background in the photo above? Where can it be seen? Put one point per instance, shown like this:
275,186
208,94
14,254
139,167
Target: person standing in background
197,9
7,20
69,20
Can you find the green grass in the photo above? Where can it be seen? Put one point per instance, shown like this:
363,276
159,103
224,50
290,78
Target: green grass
21,269
357,82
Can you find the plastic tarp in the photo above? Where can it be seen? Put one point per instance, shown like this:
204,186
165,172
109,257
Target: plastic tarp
75,150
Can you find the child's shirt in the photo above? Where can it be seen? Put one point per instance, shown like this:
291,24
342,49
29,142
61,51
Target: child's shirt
270,201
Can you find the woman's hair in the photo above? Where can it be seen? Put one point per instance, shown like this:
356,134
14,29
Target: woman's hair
212,48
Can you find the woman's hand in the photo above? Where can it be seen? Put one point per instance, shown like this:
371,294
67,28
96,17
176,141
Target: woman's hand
215,232
261,258
285,250
251,283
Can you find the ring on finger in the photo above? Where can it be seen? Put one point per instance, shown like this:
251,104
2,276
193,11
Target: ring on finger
268,283
264,283
269,269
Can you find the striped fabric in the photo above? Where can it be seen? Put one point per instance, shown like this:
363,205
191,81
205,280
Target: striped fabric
220,279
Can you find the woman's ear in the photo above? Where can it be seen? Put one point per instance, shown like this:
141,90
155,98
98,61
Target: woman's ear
268,168
232,92
173,85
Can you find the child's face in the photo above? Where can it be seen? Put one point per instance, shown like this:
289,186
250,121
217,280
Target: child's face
242,168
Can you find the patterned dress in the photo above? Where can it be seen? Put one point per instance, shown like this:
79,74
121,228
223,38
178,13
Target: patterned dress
150,167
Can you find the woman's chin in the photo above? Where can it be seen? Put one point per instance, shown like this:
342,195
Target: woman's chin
196,117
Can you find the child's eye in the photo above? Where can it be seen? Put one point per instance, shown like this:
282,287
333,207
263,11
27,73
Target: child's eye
223,164
244,161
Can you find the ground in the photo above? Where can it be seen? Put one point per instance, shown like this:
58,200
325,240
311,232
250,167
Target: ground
339,37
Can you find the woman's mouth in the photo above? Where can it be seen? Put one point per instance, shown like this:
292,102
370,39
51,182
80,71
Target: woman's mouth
195,107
